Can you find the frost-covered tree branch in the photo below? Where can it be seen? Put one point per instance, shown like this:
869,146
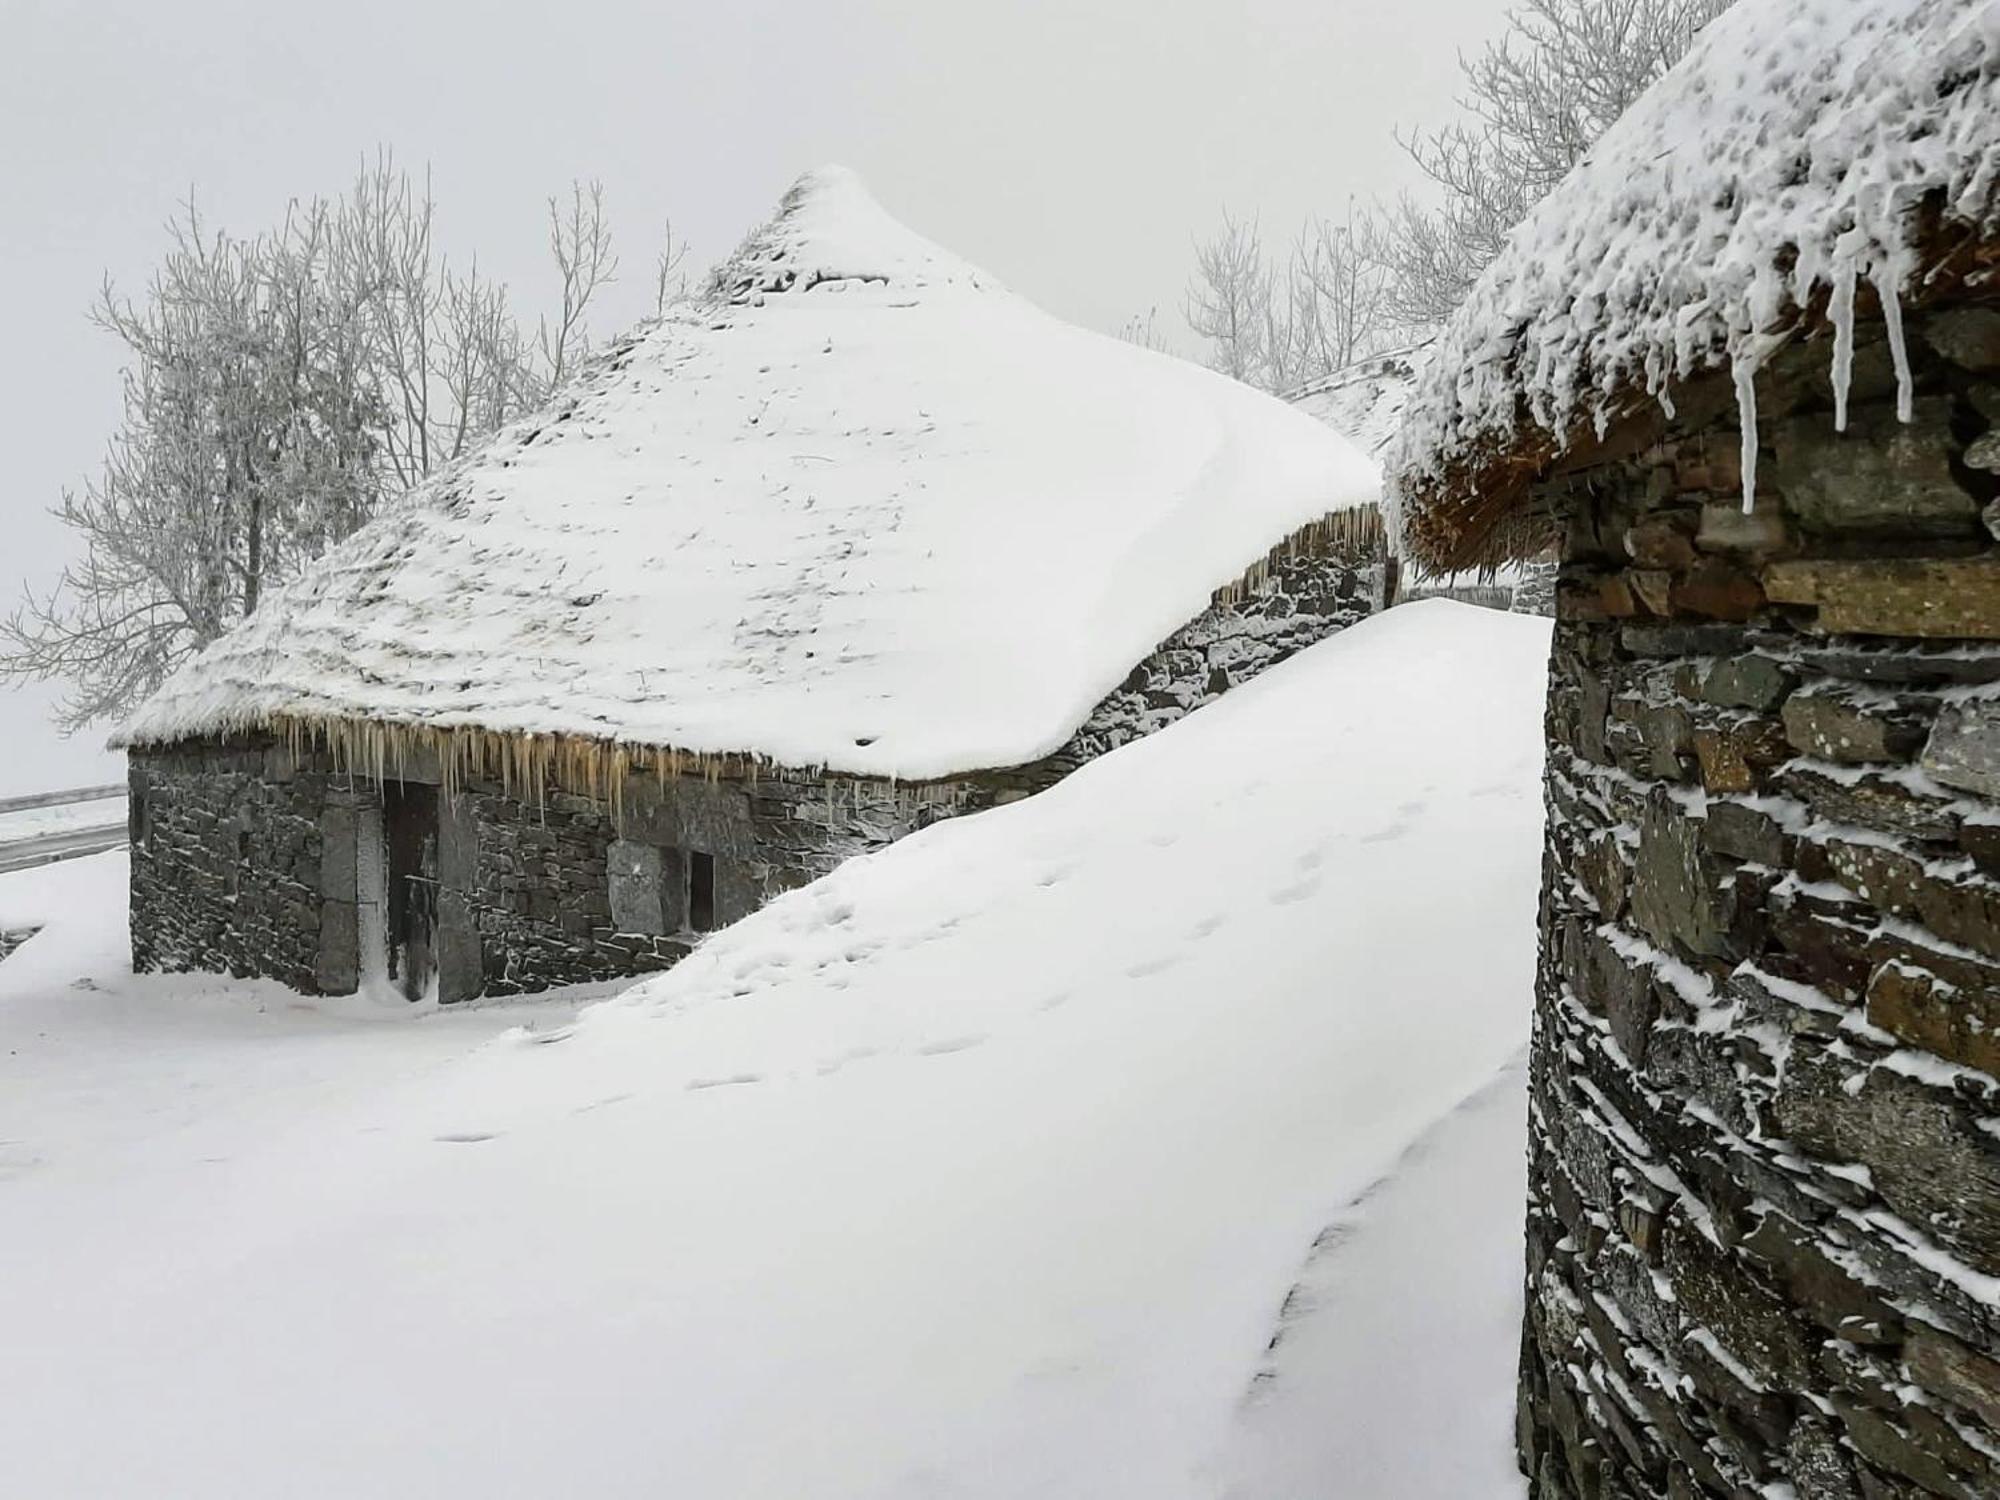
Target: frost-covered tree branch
1536,100
1229,297
669,280
278,390
1280,325
580,242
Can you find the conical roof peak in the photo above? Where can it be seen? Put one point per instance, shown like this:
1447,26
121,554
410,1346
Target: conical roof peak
830,234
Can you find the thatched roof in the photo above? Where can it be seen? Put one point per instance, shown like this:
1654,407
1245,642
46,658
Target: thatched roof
1365,401
1803,149
857,507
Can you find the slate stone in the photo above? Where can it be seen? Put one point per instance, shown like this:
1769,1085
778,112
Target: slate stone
1958,1024
1760,534
1717,589
1881,477
1964,747
1845,1306
1676,895
1750,682
1717,1291
1739,832
1967,336
1819,1466
1832,727
1872,802
1931,598
1948,1368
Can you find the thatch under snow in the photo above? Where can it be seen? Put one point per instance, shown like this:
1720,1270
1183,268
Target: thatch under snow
1807,157
858,507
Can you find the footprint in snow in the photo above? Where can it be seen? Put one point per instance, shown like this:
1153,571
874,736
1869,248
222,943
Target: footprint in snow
530,1038
467,1137
1152,966
1384,835
604,1103
723,1083
1059,998
1208,926
953,1044
1299,892
853,1054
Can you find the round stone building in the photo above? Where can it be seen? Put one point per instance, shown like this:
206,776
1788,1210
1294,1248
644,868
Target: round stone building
1743,369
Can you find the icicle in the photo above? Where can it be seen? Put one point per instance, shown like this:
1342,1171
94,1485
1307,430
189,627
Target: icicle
1892,320
1745,371
1843,343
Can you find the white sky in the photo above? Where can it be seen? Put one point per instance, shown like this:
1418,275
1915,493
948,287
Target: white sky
1072,147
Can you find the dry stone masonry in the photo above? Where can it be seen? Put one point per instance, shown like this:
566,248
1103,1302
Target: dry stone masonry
253,859
1764,1220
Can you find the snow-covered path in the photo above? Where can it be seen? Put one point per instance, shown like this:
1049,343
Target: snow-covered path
980,1169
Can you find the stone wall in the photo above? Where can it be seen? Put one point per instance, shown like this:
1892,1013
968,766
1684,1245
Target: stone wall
1764,1215
226,851
1304,599
560,888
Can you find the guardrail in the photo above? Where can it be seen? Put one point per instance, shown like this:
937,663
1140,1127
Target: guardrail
25,850
57,799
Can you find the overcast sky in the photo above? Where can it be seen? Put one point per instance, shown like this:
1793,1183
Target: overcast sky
1072,147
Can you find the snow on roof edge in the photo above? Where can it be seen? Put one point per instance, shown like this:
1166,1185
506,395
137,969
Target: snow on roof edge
1783,162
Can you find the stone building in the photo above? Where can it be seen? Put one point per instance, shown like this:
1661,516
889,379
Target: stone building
1743,367
1365,403
853,541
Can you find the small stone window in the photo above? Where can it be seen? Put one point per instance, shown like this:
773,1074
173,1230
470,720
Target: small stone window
638,875
701,891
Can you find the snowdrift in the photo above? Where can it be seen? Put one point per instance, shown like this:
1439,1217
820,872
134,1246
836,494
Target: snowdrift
981,1168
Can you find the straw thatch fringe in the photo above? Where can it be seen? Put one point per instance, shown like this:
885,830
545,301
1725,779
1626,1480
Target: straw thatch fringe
1358,535
528,764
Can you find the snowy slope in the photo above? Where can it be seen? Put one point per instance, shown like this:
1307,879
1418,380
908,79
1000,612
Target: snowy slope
1782,157
981,1168
859,507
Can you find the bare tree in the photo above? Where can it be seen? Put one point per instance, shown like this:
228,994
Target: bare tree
277,391
1229,298
669,280
1536,100
580,242
1279,326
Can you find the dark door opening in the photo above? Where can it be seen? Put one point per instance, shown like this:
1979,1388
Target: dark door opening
410,836
701,891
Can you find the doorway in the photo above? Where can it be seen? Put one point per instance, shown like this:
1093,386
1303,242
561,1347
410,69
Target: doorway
410,839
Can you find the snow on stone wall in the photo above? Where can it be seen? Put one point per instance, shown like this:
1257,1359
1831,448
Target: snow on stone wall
1764,1218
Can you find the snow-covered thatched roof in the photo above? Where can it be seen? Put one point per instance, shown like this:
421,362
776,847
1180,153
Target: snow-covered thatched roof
857,507
1364,401
1802,150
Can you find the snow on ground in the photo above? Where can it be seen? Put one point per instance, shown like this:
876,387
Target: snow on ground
981,1168
1424,1267
63,817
